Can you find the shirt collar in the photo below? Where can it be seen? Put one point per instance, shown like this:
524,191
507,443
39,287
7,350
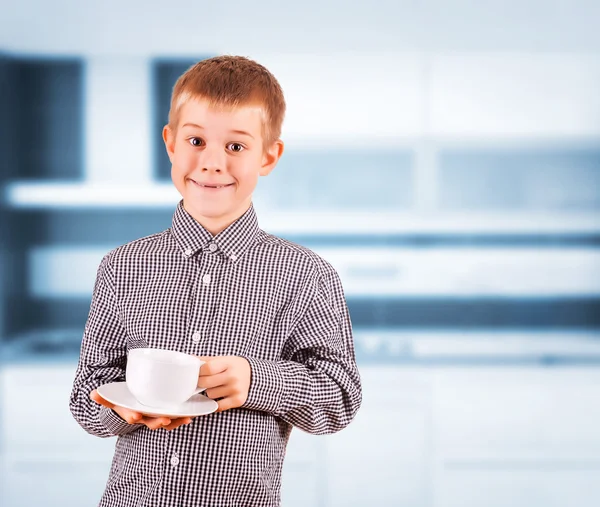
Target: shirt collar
233,241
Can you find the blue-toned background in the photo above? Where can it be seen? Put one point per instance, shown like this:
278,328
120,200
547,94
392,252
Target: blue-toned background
444,156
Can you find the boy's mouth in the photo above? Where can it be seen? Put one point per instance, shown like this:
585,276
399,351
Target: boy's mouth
210,185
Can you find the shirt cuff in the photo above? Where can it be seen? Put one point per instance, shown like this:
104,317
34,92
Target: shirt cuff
267,384
117,426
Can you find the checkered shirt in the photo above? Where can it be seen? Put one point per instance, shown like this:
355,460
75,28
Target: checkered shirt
243,292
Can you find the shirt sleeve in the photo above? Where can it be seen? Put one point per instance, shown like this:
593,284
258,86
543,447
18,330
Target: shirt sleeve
316,386
102,359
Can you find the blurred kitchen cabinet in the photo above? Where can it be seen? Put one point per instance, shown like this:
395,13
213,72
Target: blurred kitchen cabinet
429,436
47,459
47,92
482,96
68,483
511,485
512,437
302,477
518,413
382,457
36,415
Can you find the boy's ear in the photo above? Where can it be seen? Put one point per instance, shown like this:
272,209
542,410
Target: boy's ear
169,139
271,157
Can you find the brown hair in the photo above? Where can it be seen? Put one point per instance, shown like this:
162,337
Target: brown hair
231,81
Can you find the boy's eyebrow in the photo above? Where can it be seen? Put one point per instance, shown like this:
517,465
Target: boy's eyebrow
243,132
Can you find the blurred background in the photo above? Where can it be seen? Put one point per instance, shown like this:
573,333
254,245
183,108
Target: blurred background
444,156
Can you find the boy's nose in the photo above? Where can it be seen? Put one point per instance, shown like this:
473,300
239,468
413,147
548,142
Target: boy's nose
212,160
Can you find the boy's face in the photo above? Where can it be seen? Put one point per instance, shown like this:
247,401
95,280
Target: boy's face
218,147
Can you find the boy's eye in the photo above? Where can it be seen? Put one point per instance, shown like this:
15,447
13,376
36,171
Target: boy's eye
195,141
236,147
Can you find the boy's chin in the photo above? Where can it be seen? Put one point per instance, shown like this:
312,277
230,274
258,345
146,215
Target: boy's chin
207,211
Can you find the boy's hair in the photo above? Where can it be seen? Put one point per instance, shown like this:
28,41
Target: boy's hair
231,81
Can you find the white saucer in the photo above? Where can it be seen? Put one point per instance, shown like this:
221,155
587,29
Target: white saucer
117,393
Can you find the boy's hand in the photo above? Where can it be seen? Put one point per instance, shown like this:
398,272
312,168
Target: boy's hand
132,417
227,378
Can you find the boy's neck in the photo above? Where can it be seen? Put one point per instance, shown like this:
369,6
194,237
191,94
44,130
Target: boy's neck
216,225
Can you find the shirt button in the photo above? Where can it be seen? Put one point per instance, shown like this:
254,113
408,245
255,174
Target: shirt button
188,251
206,278
174,460
233,257
213,247
196,337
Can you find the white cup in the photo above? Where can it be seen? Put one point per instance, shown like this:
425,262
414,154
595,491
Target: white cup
162,378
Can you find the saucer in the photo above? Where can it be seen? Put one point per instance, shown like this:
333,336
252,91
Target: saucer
117,393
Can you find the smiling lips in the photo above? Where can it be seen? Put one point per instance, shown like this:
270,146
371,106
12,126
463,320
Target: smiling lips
211,185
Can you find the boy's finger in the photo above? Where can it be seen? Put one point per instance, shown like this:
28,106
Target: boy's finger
99,399
156,422
218,392
211,381
131,416
225,404
214,366
178,422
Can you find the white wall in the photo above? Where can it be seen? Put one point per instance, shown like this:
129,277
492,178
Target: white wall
181,27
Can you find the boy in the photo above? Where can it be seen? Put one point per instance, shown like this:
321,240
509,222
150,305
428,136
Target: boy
268,316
